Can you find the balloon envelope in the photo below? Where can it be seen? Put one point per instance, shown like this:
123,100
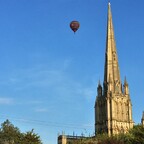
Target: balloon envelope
74,25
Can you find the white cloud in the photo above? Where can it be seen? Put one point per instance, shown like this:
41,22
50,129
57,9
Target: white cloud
6,101
54,83
41,110
35,102
39,76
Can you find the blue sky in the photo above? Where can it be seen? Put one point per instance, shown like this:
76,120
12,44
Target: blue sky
49,75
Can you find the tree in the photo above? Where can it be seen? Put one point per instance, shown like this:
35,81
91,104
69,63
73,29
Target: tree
31,138
138,134
9,134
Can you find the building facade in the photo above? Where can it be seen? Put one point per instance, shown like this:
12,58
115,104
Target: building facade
113,108
68,139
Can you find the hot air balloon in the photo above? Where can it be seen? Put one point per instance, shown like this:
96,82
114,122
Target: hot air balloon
74,25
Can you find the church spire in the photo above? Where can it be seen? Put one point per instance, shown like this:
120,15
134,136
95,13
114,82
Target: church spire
113,108
111,58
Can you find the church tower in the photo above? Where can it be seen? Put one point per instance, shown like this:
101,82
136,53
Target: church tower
113,108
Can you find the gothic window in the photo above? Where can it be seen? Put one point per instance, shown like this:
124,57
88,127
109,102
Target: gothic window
122,130
117,83
114,58
126,129
117,88
117,129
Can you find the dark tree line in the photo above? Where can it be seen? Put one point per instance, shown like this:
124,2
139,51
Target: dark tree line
9,134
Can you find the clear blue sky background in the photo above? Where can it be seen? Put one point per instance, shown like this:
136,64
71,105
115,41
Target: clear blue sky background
49,75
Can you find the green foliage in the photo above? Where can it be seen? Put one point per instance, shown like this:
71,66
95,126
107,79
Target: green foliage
134,136
102,137
31,138
138,134
9,134
84,141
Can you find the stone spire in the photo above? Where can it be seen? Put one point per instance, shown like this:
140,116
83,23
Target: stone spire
99,89
143,115
142,120
126,88
111,58
113,108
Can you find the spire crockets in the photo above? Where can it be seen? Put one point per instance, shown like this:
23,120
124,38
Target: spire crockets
142,120
126,88
143,116
111,59
99,89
